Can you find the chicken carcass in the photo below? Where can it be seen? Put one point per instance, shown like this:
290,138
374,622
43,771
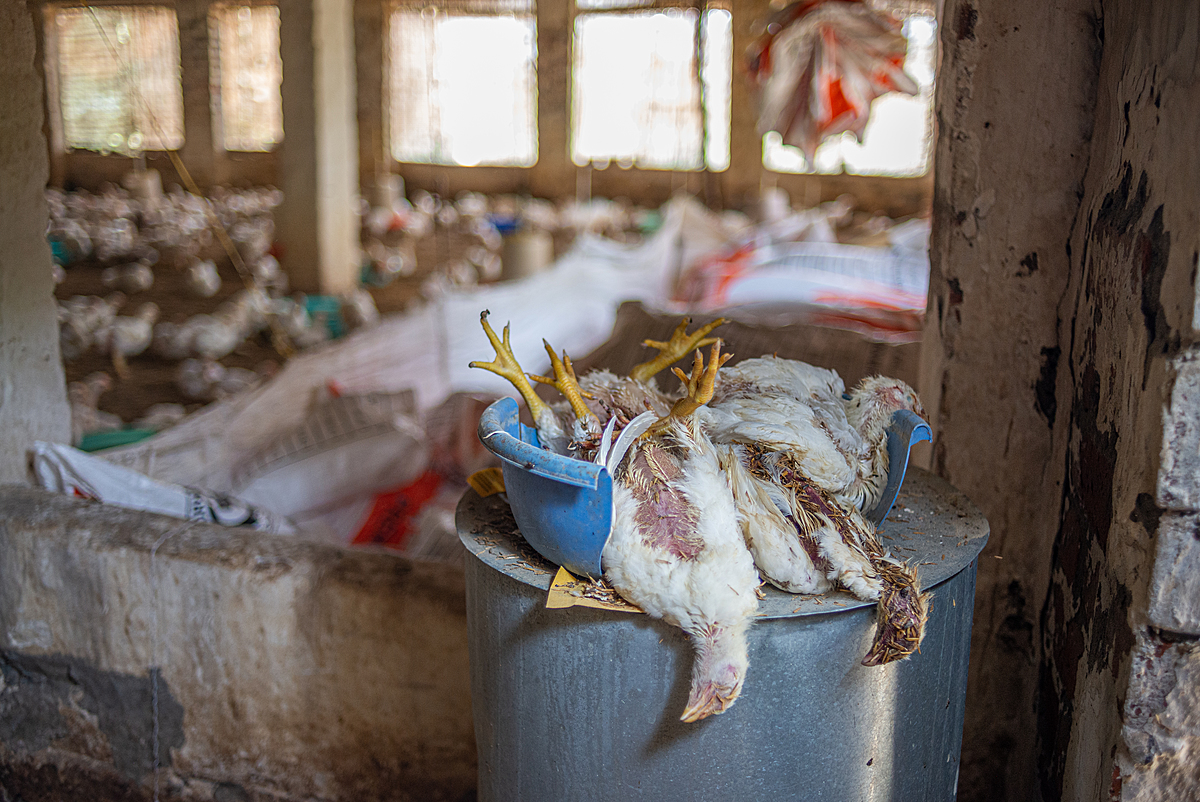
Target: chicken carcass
803,463
675,549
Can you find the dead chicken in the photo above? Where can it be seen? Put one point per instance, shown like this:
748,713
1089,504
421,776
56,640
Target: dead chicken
802,463
675,549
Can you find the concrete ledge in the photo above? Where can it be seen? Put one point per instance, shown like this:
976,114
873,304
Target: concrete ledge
285,670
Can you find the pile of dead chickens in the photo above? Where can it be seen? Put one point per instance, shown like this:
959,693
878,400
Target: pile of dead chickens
759,471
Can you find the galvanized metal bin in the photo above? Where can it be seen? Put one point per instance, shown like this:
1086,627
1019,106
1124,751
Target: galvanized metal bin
584,704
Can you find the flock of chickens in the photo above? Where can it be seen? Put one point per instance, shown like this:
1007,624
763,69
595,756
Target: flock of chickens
137,239
763,469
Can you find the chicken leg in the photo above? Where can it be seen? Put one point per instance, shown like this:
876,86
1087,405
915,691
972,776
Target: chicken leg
698,387
903,610
550,430
674,349
587,424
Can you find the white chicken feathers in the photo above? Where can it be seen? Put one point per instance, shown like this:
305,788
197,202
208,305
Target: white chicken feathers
694,571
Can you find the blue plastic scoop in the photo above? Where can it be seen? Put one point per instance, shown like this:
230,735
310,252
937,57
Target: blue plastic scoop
563,506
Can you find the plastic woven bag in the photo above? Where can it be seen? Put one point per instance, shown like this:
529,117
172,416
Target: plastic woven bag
819,66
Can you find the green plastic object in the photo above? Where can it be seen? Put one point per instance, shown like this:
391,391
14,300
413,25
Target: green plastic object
331,308
98,441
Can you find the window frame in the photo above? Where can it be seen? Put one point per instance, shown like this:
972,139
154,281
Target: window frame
553,176
216,101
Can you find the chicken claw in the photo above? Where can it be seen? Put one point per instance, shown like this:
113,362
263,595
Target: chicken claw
675,348
699,386
566,383
505,365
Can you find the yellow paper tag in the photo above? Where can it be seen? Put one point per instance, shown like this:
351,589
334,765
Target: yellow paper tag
487,482
568,591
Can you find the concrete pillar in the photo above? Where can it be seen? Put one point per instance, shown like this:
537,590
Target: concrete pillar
318,221
198,138
33,400
554,173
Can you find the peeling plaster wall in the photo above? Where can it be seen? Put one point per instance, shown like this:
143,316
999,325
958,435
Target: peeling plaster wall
33,401
1060,372
1118,597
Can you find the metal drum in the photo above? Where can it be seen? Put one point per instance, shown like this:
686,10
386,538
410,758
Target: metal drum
584,704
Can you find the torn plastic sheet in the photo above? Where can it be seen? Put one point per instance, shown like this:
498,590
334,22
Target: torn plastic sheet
819,67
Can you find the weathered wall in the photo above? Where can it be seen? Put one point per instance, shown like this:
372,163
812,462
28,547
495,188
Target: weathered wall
1064,250
285,670
1014,105
1132,484
33,403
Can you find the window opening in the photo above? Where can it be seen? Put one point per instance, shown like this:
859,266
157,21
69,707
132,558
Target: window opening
463,83
652,88
246,76
118,77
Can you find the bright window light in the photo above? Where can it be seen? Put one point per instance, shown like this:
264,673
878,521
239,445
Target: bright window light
637,99
118,77
898,139
248,70
463,88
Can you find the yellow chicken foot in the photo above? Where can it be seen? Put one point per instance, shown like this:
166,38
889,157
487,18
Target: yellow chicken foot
699,386
506,366
566,383
675,348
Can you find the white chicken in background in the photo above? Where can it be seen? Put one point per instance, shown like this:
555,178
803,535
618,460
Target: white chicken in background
128,336
268,275
213,337
471,205
803,464
131,278
161,416
202,278
675,549
303,330
83,397
236,380
83,318
359,310
171,341
197,379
